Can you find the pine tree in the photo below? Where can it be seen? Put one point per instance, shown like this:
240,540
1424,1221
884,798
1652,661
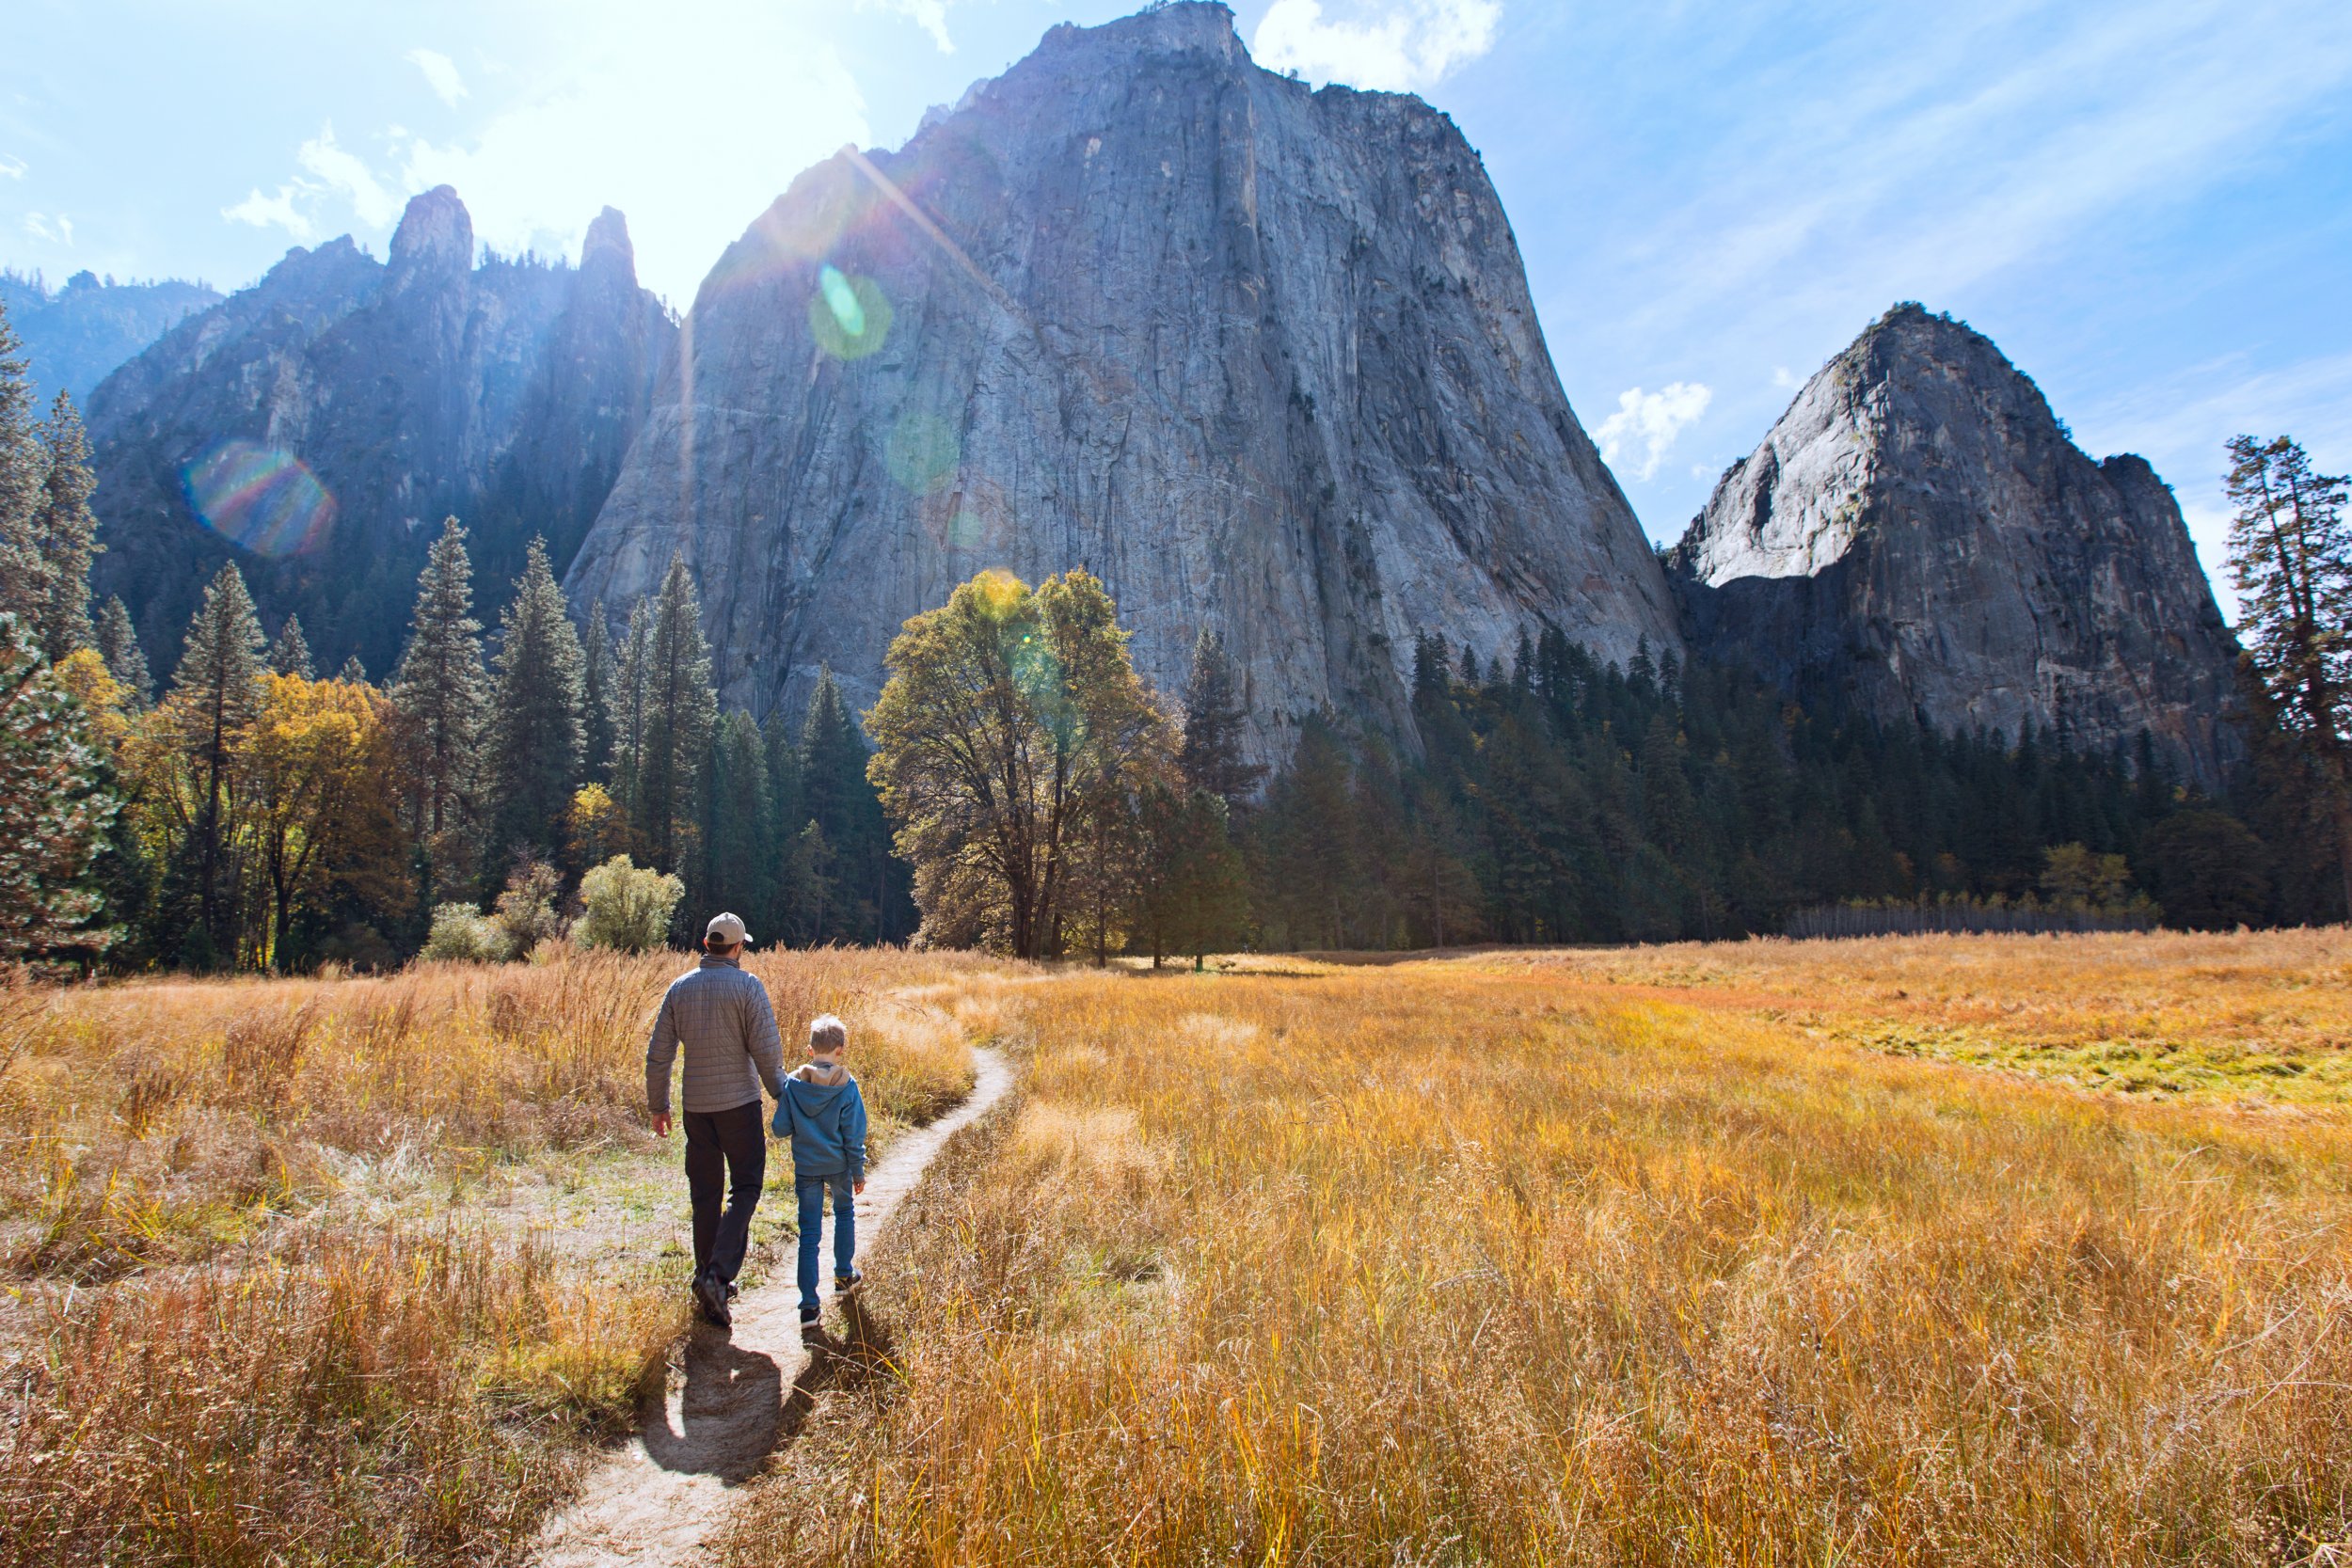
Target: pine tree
68,534
679,711
353,672
54,810
601,674
631,682
2291,557
737,826
439,688
780,753
537,731
23,477
1211,757
289,655
837,796
214,693
118,645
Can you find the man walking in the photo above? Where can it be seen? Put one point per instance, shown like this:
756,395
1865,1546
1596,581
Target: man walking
721,1017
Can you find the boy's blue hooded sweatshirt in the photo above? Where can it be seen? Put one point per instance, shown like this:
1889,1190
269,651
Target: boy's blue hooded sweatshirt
825,1116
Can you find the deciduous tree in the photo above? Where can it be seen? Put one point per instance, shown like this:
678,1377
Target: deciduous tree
1011,717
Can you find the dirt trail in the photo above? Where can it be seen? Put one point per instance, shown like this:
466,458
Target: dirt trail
662,1497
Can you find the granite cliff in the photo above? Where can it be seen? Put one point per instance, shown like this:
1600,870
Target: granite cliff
1919,537
1262,359
317,426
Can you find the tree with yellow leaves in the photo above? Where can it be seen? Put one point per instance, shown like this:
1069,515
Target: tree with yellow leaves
316,756
1011,737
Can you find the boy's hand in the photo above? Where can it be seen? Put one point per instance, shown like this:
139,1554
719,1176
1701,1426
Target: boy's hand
857,1189
661,1124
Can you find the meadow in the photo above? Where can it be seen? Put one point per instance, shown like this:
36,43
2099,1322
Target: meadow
346,1270
1625,1258
1977,1250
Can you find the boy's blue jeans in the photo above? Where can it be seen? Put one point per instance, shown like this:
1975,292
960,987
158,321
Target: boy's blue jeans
811,1192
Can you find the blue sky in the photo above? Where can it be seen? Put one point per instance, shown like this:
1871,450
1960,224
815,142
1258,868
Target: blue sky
2148,204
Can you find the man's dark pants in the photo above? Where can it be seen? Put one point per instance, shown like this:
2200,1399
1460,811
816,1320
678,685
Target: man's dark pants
726,1153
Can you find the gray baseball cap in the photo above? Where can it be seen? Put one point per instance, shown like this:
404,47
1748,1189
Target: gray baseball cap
727,928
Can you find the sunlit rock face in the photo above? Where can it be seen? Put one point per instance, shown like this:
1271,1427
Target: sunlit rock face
317,426
1917,537
1262,359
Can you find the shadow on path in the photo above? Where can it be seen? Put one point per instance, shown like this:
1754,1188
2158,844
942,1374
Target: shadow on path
733,1412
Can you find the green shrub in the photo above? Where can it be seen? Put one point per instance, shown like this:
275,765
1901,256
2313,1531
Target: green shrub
526,914
459,931
627,906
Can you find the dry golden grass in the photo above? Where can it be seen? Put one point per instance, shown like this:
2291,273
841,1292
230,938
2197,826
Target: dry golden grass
2262,1014
272,1299
1529,1259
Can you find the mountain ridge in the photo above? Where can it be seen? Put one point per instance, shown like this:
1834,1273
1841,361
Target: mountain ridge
1917,536
317,426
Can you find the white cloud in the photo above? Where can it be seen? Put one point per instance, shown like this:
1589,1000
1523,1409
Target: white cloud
328,170
1653,419
12,169
341,173
272,212
440,74
54,227
1399,45
1785,379
930,15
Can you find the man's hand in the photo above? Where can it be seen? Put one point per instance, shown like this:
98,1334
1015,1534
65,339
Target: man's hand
661,1124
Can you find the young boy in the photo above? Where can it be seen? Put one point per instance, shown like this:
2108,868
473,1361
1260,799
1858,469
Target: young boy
825,1116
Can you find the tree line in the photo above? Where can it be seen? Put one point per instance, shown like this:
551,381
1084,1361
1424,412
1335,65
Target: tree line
1051,803
1027,790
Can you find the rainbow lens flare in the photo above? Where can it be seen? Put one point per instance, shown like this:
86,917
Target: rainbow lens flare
261,499
849,315
922,453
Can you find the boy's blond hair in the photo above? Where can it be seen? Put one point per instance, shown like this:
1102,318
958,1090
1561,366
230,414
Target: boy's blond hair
827,1034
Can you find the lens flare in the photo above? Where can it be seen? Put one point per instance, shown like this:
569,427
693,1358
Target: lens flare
922,453
841,299
849,315
261,499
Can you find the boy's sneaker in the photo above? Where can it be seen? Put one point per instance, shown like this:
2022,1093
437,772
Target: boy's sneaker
844,1283
710,1294
809,1316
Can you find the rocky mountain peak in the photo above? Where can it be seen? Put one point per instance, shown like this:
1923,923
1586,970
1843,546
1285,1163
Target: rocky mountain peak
316,427
1203,25
608,243
1263,359
1919,537
436,235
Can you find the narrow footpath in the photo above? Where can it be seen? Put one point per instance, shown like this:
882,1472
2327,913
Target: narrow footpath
663,1496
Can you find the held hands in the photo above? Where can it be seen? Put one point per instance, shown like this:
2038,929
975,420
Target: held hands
661,1124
